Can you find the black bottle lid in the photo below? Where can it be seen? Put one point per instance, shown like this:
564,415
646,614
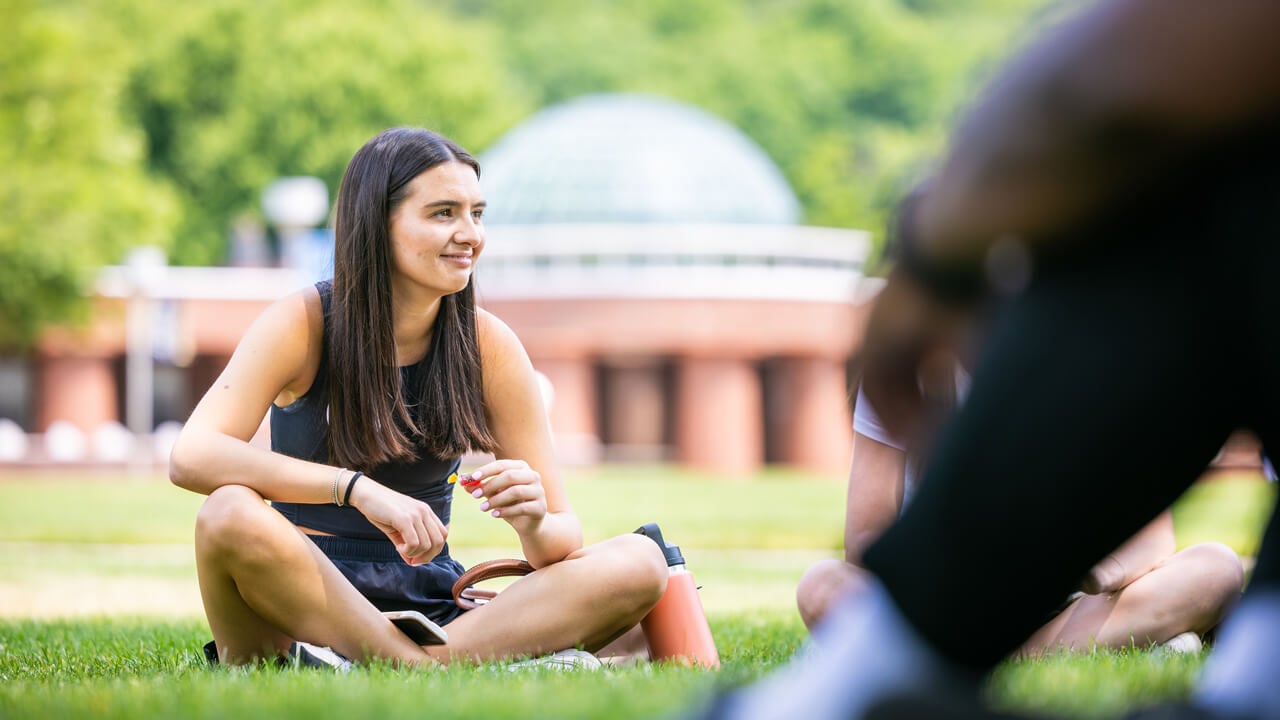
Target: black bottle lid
671,552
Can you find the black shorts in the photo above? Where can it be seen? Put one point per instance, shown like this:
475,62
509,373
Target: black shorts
381,575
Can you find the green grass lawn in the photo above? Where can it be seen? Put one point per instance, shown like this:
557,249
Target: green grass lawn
137,668
77,541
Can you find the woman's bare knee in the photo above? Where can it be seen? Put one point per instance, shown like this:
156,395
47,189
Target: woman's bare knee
231,520
642,569
1219,565
1219,578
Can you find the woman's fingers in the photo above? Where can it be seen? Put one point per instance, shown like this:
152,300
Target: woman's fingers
410,524
493,468
431,535
516,500
507,488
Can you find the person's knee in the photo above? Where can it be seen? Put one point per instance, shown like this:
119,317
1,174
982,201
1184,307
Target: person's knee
640,570
820,585
228,521
1209,578
1218,572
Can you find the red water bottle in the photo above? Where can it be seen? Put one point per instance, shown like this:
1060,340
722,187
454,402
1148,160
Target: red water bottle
676,628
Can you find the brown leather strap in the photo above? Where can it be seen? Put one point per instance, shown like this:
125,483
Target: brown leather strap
466,597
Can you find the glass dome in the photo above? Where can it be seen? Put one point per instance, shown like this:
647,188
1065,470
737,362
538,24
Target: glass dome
625,158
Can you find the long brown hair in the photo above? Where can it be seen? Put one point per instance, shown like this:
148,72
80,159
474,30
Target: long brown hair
369,420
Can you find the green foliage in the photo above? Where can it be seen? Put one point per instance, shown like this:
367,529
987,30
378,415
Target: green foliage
74,192
849,98
233,95
137,122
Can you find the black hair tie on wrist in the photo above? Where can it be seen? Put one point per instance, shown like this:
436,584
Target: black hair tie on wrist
346,497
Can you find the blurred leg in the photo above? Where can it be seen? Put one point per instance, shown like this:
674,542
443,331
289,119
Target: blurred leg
1188,592
822,585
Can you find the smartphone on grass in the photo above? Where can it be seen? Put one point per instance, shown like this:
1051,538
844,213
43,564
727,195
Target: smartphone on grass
416,625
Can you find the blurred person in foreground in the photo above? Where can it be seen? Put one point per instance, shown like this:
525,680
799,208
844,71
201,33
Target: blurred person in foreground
1118,187
377,382
1142,593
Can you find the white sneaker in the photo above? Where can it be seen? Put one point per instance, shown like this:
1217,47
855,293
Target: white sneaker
308,655
1186,643
571,659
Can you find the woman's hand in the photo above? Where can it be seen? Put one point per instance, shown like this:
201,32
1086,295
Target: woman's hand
410,524
1107,576
1139,555
511,490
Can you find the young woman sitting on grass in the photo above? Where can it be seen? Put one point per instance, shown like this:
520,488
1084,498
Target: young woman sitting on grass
376,384
1144,592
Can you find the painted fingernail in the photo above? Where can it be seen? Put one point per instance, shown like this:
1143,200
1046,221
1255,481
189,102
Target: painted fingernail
477,493
484,505
496,513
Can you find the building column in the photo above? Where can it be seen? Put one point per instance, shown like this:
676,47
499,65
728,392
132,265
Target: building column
635,410
813,425
80,390
572,408
719,415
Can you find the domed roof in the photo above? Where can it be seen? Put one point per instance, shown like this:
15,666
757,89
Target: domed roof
626,158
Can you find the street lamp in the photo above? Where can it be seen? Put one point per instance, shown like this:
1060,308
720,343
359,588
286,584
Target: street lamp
145,266
294,206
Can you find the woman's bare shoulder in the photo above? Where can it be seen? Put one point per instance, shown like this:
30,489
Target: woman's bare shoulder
289,335
502,355
296,318
495,336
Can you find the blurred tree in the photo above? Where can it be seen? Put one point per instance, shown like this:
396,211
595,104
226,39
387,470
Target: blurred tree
233,94
74,191
849,98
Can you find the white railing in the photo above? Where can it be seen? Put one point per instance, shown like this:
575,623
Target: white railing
672,261
177,282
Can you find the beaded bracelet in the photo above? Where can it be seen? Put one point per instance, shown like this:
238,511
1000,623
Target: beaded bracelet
336,479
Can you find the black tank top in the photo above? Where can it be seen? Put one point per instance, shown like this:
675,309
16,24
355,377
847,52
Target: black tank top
301,430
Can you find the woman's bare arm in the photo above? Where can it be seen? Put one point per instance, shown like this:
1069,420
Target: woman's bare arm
1136,557
276,358
524,484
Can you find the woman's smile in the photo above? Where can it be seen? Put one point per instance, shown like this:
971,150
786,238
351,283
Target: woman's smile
460,259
